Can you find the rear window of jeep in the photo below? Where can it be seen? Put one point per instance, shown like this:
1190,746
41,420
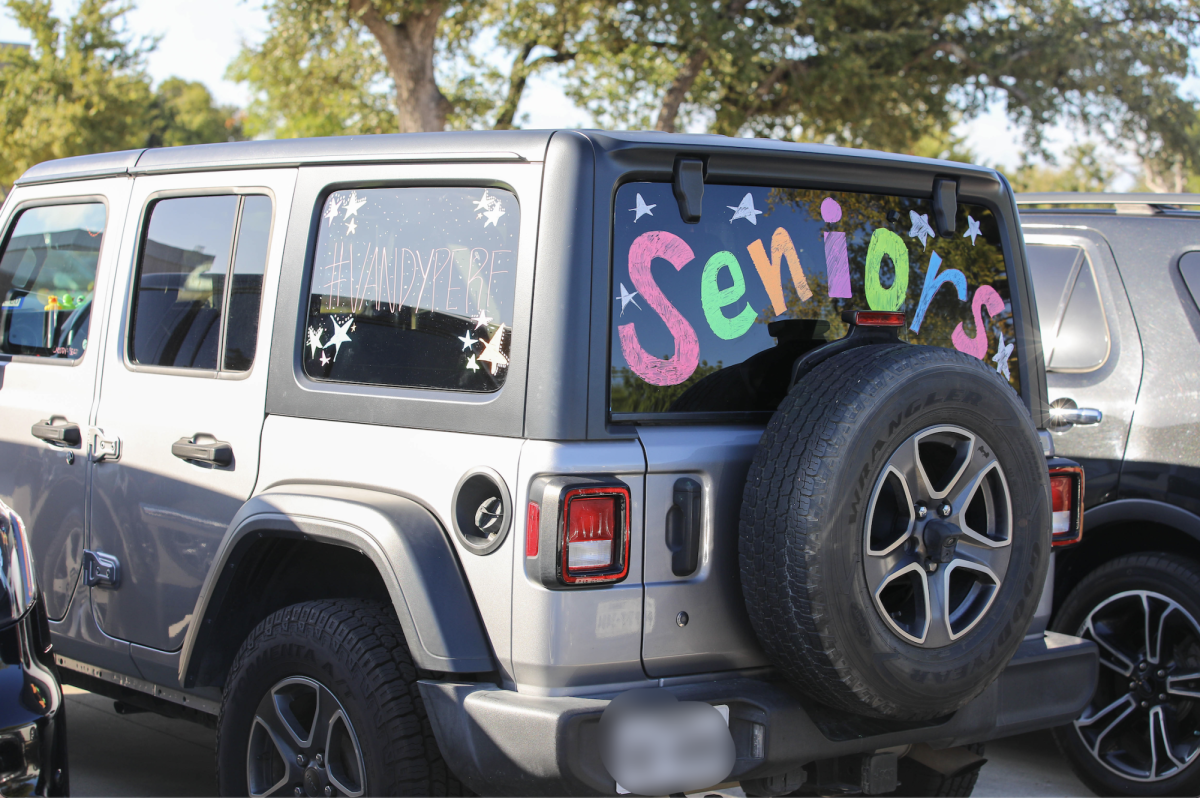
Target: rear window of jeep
708,317
414,288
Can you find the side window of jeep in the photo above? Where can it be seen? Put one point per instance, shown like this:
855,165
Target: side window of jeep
414,288
187,311
708,317
48,279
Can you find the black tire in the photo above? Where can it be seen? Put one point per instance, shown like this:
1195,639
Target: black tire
356,650
804,518
919,781
1098,598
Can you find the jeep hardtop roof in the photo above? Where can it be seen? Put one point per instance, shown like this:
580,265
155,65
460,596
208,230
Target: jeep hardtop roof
483,145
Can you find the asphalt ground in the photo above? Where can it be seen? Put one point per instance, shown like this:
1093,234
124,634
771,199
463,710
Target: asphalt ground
149,755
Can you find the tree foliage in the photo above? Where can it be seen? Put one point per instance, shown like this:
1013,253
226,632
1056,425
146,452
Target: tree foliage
82,88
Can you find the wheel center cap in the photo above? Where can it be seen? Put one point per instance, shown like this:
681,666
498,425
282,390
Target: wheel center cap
314,781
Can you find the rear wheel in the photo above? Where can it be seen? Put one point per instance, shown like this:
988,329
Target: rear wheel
1140,735
322,699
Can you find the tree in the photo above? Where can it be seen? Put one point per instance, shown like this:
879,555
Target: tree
1085,170
884,73
82,88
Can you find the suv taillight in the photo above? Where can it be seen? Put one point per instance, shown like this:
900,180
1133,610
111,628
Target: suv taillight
1066,498
577,531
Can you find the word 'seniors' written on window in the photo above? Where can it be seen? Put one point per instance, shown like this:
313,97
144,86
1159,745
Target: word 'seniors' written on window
48,280
414,287
709,317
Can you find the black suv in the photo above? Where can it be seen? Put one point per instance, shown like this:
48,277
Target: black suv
1117,280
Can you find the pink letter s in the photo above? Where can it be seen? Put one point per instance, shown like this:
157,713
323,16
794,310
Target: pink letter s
676,369
985,296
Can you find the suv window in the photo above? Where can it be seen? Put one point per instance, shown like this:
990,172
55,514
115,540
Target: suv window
708,317
184,304
414,287
1074,331
48,279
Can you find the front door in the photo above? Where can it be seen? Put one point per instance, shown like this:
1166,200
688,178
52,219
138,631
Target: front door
60,250
184,390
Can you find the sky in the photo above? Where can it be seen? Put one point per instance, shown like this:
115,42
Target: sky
199,39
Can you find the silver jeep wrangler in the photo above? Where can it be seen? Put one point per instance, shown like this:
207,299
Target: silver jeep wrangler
541,462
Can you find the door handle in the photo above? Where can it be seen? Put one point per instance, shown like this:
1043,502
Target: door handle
61,434
684,526
1064,413
214,452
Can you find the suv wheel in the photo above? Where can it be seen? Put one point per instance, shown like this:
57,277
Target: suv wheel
895,531
322,699
1140,735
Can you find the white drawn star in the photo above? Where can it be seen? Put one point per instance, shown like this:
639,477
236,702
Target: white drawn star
491,352
353,204
332,211
481,319
972,230
642,208
467,340
472,364
626,297
314,341
1003,351
339,336
351,226
920,227
324,359
485,202
745,210
493,215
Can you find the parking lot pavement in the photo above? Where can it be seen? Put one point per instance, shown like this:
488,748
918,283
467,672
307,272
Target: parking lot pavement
145,754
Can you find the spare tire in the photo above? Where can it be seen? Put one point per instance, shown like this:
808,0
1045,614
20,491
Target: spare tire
895,531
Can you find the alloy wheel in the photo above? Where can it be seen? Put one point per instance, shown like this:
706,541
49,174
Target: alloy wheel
302,743
937,536
1143,723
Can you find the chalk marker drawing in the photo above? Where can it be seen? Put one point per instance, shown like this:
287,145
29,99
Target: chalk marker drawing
467,340
481,319
313,341
837,260
920,227
713,298
324,359
491,350
626,297
679,366
492,210
933,281
972,230
331,212
472,364
353,204
885,242
770,271
339,335
744,210
351,226
985,297
642,209
1003,352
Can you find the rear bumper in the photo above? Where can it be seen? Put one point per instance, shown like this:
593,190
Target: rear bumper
503,742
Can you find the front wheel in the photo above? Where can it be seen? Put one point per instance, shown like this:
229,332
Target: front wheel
322,699
1140,735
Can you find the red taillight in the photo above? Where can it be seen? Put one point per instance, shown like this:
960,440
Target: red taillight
533,520
595,535
874,318
1066,500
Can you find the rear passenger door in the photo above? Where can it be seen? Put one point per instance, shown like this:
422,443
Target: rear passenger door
707,319
1091,345
56,267
183,394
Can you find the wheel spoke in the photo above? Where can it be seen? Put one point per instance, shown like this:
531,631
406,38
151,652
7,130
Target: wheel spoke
938,473
297,703
1184,685
939,625
1105,720
343,756
1111,655
983,507
270,758
1160,740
